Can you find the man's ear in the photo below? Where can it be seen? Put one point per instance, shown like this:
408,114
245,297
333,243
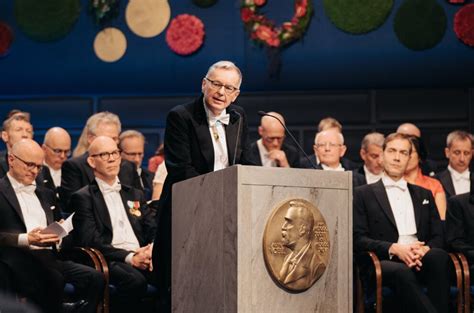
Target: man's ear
91,162
260,131
446,152
343,150
4,136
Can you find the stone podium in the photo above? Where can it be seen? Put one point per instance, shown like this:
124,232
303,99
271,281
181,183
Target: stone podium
218,224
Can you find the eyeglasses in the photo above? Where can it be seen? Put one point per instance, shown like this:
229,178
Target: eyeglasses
59,152
331,145
218,85
272,139
133,154
30,165
105,156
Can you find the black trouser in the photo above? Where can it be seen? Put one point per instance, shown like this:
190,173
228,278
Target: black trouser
408,283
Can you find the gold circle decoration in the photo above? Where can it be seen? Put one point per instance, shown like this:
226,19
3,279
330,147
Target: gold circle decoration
110,44
296,245
147,18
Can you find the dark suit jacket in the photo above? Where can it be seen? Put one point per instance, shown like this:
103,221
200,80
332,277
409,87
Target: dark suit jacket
375,228
147,179
460,224
292,155
76,173
447,181
45,179
3,163
12,222
357,179
93,226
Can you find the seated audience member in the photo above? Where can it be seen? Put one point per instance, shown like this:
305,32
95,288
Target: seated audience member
110,217
428,167
460,226
76,172
15,128
159,180
57,148
157,159
329,148
271,150
332,123
132,147
414,176
399,222
26,209
456,179
371,153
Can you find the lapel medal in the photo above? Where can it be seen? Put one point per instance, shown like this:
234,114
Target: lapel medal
134,208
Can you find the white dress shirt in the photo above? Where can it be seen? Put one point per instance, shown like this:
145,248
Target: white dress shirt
370,177
266,161
461,181
160,174
219,143
123,236
31,209
55,175
339,168
402,208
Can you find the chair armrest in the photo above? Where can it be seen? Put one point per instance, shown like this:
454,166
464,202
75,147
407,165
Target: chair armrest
105,271
83,256
458,273
378,281
467,281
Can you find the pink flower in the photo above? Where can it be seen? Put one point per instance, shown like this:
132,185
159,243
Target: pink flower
246,14
259,2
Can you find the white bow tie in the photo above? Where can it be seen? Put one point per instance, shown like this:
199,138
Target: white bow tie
108,189
30,189
458,176
223,119
402,185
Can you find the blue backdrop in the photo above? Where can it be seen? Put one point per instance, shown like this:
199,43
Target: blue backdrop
327,58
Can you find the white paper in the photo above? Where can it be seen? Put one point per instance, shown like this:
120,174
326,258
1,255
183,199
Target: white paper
61,230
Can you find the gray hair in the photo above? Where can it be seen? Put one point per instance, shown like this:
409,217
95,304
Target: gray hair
226,65
341,137
372,139
459,135
130,134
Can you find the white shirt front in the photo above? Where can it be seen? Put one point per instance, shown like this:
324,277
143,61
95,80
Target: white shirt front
461,181
55,175
219,143
402,209
339,168
31,209
370,177
123,236
266,161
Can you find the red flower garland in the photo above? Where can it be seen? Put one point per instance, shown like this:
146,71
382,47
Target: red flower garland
264,31
185,34
464,24
6,38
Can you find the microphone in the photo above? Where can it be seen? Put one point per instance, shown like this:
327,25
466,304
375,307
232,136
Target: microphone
238,135
262,113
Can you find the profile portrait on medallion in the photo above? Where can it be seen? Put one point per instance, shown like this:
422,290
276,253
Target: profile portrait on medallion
296,245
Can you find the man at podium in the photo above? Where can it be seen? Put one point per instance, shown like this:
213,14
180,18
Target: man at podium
202,136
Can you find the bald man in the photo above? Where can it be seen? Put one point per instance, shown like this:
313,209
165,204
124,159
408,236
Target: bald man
26,209
113,218
270,150
428,166
57,148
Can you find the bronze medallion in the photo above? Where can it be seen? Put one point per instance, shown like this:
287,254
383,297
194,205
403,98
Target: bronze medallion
296,245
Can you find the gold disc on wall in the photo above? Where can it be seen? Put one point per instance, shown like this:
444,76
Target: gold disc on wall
110,44
147,18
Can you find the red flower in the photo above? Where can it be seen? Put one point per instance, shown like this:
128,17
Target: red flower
264,33
273,42
259,2
287,26
464,24
6,38
246,14
185,34
300,11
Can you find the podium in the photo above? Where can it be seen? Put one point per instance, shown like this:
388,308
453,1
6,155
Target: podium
220,262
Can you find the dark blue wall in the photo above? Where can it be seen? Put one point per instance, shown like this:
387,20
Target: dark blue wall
327,58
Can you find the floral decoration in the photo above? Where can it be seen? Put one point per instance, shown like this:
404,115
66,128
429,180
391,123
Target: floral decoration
264,31
185,35
464,24
103,11
6,38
